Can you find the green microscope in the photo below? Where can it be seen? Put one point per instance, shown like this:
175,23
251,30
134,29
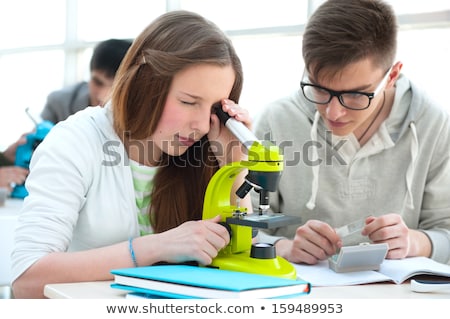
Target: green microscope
264,165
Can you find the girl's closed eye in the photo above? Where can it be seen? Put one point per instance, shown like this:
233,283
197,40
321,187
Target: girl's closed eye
187,102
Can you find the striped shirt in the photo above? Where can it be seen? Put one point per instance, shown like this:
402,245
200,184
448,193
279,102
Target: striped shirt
143,184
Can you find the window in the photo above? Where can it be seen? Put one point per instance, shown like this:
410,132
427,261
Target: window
27,78
102,19
48,44
249,14
27,23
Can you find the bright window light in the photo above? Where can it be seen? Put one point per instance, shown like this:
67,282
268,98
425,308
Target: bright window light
102,19
38,54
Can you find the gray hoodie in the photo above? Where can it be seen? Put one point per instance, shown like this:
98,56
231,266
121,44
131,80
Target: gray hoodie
404,168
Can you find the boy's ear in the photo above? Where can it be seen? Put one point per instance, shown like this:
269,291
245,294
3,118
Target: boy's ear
395,73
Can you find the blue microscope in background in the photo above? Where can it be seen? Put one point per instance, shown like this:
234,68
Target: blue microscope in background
25,151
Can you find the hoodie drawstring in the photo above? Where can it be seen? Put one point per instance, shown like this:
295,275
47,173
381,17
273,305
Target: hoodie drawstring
414,149
315,165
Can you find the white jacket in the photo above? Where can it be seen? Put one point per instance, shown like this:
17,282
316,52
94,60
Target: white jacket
404,168
81,193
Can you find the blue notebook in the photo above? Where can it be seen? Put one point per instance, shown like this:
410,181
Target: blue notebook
183,281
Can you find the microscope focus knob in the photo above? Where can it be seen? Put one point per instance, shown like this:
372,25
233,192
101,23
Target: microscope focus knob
263,251
228,227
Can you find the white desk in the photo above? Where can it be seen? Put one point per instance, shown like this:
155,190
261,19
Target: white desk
8,219
102,290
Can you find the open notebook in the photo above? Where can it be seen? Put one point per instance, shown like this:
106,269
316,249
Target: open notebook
396,271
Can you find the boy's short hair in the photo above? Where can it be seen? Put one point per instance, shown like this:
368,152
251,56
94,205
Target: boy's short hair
341,32
108,55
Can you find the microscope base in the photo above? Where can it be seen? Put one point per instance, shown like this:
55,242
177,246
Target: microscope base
277,267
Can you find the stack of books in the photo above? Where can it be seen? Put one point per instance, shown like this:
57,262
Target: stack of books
184,281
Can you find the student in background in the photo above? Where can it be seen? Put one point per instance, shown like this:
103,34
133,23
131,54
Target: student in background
361,141
104,63
11,175
123,185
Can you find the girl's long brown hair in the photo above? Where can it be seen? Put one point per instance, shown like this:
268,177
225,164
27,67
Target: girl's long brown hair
171,43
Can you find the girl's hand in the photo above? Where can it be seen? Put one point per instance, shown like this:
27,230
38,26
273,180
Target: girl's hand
224,144
198,241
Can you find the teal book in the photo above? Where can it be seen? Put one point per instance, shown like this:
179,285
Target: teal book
183,281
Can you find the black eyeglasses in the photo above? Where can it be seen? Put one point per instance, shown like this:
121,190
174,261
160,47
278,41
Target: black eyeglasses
353,100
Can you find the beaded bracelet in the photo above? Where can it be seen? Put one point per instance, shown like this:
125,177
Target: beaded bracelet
130,248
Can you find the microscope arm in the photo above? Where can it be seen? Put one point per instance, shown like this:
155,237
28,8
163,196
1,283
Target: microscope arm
217,201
